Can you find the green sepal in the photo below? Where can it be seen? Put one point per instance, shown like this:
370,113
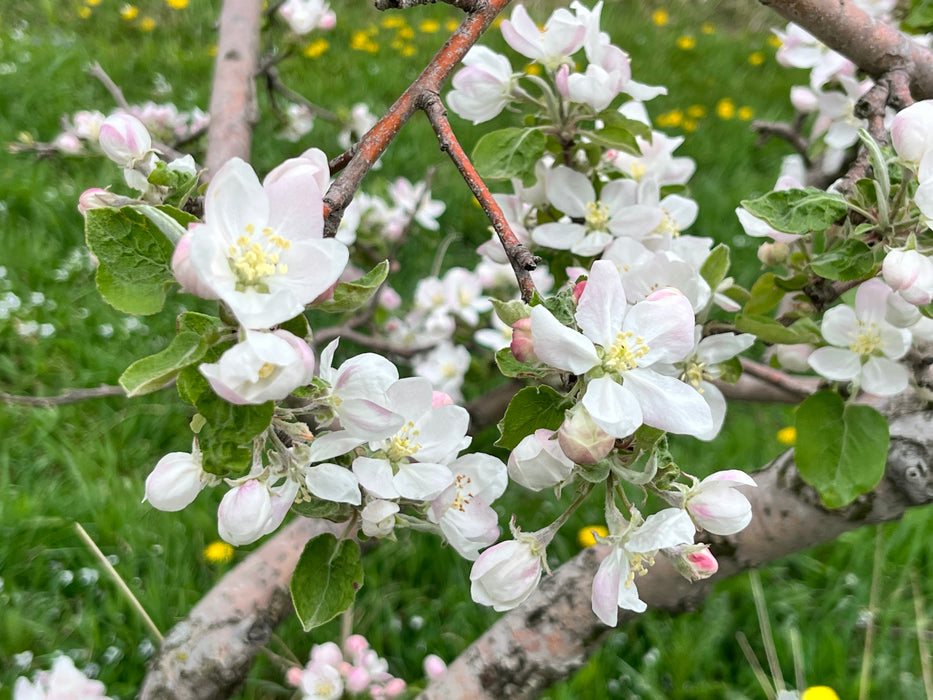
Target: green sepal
771,331
510,311
326,579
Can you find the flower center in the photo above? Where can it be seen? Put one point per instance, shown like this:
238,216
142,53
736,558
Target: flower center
462,499
256,257
867,338
668,225
402,444
597,216
639,566
694,373
624,353
266,369
638,170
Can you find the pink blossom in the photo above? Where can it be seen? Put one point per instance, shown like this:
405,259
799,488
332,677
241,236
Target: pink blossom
717,506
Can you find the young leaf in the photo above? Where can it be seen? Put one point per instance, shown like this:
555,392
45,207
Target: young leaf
326,579
135,257
851,260
509,153
349,296
765,295
226,438
510,311
511,367
798,211
770,331
716,266
172,222
531,408
841,450
615,136
151,373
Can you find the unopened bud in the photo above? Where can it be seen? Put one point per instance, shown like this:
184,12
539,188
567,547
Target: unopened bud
578,290
125,140
693,561
581,439
434,666
773,253
97,198
522,346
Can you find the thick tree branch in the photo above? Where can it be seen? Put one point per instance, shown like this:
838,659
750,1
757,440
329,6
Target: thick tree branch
465,5
874,46
233,93
208,655
553,633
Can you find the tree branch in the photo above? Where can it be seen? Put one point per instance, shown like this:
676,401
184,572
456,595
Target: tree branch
465,5
552,634
67,396
233,107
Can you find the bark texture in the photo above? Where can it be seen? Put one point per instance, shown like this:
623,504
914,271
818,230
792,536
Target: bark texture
555,631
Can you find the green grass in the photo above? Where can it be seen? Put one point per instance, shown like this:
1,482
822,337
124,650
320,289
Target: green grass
87,462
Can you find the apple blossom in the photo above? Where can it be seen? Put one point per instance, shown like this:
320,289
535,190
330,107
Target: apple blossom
910,274
864,347
125,140
184,272
538,462
176,480
482,89
261,248
717,506
910,132
378,518
304,15
444,366
244,513
506,574
522,346
434,666
266,366
693,561
561,37
581,440
64,681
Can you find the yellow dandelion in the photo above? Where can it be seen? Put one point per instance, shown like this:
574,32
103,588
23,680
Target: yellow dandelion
177,4
756,58
360,41
429,26
406,33
212,49
218,552
147,24
316,48
660,17
673,118
707,28
586,536
787,436
451,25
407,50
696,111
725,108
393,22
745,113
533,69
84,12
686,43
129,12
774,41
92,3
819,692
689,125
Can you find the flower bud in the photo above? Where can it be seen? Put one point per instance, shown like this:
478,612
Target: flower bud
693,561
717,506
537,462
125,140
581,440
522,345
506,574
379,518
578,290
909,273
244,513
434,666
175,481
395,687
910,131
439,398
96,198
294,676
326,654
561,81
773,253
357,679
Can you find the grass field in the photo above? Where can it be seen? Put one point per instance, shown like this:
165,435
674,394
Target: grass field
86,462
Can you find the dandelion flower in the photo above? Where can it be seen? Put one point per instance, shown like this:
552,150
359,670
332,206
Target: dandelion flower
725,108
177,4
745,113
147,24
660,17
787,436
129,12
218,552
756,58
316,48
586,537
686,43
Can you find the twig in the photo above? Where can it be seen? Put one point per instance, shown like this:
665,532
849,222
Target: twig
785,132
465,5
521,259
325,335
775,377
121,584
274,83
68,396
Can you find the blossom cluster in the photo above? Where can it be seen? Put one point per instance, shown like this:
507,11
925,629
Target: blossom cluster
62,681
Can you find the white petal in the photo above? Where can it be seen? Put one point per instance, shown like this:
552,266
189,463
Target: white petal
835,363
558,235
839,326
666,528
884,377
560,346
570,191
422,481
612,572
613,407
669,404
375,475
333,483
602,305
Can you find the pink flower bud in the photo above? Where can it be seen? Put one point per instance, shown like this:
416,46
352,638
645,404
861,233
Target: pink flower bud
356,644
506,574
578,290
125,140
693,561
357,679
97,198
581,440
434,666
327,22
910,131
561,80
395,687
175,481
717,506
522,345
294,675
327,654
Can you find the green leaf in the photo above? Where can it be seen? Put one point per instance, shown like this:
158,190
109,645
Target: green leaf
716,266
798,211
202,324
510,311
508,153
765,295
612,117
614,136
531,408
172,222
771,331
350,296
226,438
151,373
312,507
841,449
135,272
326,579
298,327
511,367
851,260
180,183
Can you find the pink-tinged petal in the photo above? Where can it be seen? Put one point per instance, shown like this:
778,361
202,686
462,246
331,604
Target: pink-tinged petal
368,418
835,363
731,477
884,377
333,483
422,481
375,475
629,600
613,407
312,162
609,578
666,528
669,404
436,430
563,34
665,322
602,305
871,301
234,199
558,235
560,346
839,326
296,207
719,509
522,34
570,191
310,280
411,396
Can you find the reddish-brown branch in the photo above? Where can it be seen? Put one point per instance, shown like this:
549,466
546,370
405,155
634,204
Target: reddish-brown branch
875,47
233,93
465,5
376,140
523,262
